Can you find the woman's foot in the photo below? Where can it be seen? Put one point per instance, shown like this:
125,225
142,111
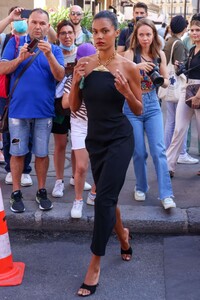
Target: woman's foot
198,173
126,250
91,279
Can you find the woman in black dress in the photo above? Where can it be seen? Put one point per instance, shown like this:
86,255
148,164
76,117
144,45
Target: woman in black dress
104,80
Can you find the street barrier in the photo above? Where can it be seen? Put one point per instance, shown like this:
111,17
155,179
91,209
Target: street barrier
11,273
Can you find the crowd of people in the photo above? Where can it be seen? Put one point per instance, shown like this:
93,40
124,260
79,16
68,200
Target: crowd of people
109,101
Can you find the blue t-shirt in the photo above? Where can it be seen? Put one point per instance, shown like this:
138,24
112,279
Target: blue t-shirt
34,94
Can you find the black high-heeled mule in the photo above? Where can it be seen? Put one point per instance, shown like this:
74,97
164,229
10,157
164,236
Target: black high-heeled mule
129,251
90,288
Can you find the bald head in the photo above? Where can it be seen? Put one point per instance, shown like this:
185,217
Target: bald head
75,14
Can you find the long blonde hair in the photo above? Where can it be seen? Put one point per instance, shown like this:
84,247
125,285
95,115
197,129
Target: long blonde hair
155,46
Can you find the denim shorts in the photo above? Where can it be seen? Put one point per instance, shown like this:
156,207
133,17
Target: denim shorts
22,129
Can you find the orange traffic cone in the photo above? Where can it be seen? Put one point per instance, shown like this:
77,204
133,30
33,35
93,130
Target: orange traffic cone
10,273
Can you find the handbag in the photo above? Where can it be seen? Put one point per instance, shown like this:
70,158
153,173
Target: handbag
4,116
191,90
4,84
176,83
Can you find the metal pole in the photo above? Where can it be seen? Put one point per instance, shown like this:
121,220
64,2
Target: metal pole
185,9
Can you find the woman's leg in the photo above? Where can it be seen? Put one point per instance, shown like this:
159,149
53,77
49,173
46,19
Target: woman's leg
60,143
183,117
155,134
169,122
139,154
92,275
81,166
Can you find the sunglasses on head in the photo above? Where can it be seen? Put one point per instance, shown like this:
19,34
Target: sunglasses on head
76,13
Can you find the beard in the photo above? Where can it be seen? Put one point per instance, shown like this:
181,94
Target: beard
76,22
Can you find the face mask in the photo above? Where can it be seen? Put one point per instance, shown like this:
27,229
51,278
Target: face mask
20,26
67,48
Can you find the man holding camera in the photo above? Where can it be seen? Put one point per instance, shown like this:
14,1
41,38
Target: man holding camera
32,105
140,10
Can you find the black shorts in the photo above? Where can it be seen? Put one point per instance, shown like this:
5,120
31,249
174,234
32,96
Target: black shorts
61,128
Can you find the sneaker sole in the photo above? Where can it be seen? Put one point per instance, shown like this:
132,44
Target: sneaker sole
142,198
42,208
17,211
169,206
26,184
57,196
8,182
85,188
76,217
188,163
90,202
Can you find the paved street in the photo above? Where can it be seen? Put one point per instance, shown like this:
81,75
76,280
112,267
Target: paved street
162,268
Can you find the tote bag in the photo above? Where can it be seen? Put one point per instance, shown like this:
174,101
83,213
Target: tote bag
176,83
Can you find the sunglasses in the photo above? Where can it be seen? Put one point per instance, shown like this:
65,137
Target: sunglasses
76,13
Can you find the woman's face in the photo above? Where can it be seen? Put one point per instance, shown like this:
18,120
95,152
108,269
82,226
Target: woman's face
145,36
66,36
195,33
104,33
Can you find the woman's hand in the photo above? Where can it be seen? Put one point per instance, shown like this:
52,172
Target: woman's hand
146,66
79,71
121,83
195,102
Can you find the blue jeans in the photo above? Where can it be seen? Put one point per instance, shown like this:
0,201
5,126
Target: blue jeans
151,123
6,147
20,131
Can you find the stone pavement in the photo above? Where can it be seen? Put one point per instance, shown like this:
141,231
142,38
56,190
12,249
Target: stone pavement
142,217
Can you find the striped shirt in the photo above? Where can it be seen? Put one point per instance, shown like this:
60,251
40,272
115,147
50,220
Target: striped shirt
82,112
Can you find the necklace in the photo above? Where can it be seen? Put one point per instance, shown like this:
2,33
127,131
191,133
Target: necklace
102,67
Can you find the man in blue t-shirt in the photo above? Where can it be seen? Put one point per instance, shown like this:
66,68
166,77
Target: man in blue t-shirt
32,105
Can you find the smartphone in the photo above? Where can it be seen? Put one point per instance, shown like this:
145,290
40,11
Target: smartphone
32,45
25,13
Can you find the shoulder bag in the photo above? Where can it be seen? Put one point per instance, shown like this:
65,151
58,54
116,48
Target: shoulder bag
176,83
4,117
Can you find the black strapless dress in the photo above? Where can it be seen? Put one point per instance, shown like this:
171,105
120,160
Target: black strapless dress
110,145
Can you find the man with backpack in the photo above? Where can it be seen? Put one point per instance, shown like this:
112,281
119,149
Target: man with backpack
82,34
140,10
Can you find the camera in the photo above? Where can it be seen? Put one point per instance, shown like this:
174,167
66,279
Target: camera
180,69
155,76
32,45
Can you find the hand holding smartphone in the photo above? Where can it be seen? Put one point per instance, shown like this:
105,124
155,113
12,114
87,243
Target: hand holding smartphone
25,13
32,45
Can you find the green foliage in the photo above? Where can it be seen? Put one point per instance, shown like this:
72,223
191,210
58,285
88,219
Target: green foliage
63,13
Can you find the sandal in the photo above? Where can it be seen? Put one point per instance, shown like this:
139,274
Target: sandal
128,252
90,288
198,173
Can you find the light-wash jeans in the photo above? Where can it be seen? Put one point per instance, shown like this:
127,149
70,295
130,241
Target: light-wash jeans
151,123
170,126
20,131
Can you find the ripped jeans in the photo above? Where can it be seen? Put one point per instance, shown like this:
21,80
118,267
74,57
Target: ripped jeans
20,131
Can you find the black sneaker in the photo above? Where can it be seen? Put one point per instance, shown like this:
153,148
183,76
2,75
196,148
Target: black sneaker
42,200
16,202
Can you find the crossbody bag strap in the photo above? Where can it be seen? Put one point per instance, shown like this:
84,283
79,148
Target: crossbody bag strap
21,73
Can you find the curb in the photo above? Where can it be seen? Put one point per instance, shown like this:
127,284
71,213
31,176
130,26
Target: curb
148,219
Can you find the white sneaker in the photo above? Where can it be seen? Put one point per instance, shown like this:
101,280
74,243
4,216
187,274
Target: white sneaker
187,159
76,211
58,189
26,180
168,203
91,198
87,186
139,196
8,178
